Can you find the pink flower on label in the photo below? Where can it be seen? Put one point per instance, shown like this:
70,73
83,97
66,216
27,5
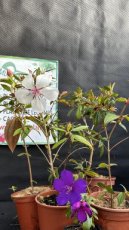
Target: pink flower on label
2,139
37,91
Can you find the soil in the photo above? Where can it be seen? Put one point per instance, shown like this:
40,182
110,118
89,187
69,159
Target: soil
28,191
104,200
49,200
73,227
98,176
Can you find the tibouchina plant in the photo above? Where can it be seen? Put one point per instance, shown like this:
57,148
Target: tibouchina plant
72,192
21,93
36,91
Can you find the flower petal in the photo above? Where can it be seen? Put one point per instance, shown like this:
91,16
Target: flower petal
88,211
50,93
74,197
62,199
81,215
80,186
76,206
67,177
37,105
28,82
58,185
23,96
43,80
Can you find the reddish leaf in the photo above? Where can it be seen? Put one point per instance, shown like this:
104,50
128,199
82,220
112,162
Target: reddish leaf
11,126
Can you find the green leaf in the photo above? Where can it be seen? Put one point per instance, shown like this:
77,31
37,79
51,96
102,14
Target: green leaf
101,148
107,187
126,117
79,112
101,185
34,181
6,87
121,99
5,80
59,143
113,164
4,98
87,224
73,161
82,140
18,131
24,154
70,112
91,173
110,117
21,154
104,165
25,132
123,126
68,212
59,129
79,128
125,190
120,198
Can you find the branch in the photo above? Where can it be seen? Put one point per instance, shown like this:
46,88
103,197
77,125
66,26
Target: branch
58,152
119,142
71,154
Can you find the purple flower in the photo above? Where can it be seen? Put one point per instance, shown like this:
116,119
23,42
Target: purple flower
69,189
81,209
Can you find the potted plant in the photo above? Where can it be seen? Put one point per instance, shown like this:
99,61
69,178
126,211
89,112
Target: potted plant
17,127
112,206
69,195
91,110
34,91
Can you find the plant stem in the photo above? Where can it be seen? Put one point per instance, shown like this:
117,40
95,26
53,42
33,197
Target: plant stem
49,151
29,166
58,151
119,143
109,164
91,158
113,128
92,150
39,148
63,162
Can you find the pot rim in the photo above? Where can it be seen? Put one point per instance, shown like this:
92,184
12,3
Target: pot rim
15,197
47,205
119,210
100,178
111,209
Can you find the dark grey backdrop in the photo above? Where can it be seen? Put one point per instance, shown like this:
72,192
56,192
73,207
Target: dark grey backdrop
90,38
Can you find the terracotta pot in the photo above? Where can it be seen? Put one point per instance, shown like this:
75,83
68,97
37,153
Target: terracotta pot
51,217
93,183
112,219
27,210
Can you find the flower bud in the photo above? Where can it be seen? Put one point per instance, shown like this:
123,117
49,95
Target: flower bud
9,72
127,102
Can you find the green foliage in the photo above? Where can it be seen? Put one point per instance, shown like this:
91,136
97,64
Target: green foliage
88,223
108,188
82,140
105,166
121,198
60,142
110,117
